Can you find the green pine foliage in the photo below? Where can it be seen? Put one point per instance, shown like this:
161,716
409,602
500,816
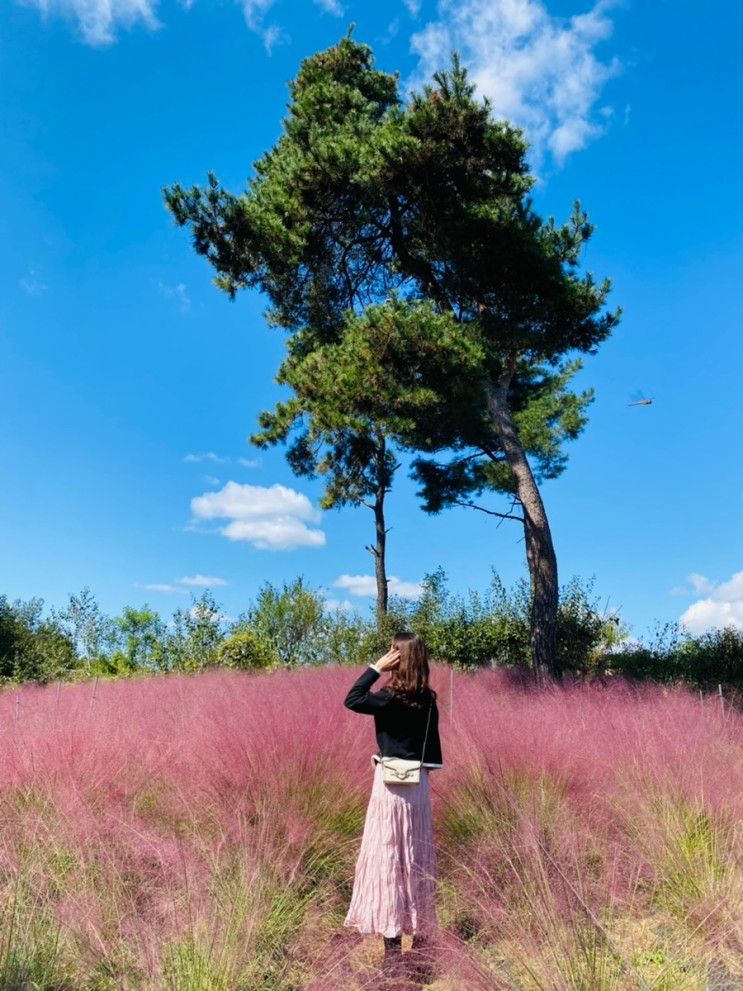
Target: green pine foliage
428,307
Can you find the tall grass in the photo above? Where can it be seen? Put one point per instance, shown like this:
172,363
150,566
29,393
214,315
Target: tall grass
200,834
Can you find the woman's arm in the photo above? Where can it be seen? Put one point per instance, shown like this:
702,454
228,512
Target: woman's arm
360,698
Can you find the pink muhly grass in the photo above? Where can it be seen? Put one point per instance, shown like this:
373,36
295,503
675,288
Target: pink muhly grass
155,787
203,829
551,794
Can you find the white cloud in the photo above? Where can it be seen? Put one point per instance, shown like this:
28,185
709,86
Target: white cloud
248,502
679,590
540,71
99,20
359,585
255,12
721,604
405,590
163,587
365,586
33,284
413,6
331,7
182,585
393,29
282,533
339,605
206,456
218,459
270,518
700,584
211,479
201,581
178,293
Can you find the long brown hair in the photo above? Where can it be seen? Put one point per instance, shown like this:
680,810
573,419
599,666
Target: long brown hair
409,681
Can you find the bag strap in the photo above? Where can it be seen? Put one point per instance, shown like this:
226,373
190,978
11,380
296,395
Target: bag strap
425,738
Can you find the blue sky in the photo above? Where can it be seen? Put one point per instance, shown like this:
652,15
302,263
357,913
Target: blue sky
129,384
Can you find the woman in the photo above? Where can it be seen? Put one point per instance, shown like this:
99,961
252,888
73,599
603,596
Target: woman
394,886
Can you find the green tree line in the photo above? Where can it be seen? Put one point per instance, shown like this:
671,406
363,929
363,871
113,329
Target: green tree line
291,626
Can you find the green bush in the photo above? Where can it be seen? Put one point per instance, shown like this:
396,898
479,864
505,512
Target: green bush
292,620
707,660
32,648
468,632
494,628
194,636
715,657
244,650
348,638
114,665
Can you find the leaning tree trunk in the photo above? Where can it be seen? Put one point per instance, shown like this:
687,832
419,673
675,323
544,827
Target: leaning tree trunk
540,552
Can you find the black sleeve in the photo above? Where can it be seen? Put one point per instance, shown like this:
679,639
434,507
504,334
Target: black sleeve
433,746
361,699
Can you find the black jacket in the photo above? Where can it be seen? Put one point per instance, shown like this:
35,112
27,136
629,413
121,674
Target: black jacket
400,728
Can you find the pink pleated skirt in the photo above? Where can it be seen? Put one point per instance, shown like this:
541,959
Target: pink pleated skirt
394,889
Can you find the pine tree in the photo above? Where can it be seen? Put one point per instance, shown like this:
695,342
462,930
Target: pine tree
424,297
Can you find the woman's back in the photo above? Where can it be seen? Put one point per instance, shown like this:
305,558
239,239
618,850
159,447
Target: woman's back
399,725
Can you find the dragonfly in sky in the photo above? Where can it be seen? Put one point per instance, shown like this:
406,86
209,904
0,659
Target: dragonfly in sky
639,399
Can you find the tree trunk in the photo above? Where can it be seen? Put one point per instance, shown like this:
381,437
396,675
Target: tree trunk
380,564
540,552
379,550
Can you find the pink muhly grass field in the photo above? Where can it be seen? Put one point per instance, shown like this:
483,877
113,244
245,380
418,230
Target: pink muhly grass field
199,833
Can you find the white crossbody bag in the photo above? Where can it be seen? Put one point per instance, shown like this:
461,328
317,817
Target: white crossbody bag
399,771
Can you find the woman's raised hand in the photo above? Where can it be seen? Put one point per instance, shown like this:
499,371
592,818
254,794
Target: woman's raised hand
390,660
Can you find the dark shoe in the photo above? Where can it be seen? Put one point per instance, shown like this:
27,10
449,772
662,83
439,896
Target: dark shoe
393,971
392,962
419,960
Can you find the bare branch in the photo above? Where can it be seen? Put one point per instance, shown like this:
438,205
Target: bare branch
497,459
490,512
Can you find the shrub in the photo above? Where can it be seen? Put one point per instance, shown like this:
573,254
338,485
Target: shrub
245,651
350,639
32,648
494,628
716,656
141,632
713,658
584,635
292,620
194,639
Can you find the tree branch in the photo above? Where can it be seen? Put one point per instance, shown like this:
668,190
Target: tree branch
417,267
490,512
497,459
